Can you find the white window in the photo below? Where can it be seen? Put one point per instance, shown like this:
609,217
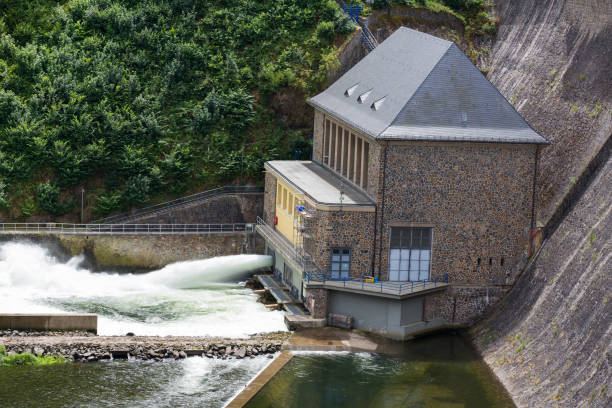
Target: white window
409,254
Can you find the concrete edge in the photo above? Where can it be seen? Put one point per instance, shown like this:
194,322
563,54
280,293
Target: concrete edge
22,321
257,383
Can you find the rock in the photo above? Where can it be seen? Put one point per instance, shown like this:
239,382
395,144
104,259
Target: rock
130,334
38,351
91,359
182,354
270,356
241,352
105,356
174,354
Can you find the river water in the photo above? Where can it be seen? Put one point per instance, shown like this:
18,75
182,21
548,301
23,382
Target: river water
194,298
433,372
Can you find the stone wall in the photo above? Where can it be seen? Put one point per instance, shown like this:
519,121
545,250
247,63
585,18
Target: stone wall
138,252
223,209
477,198
317,302
352,229
269,207
461,306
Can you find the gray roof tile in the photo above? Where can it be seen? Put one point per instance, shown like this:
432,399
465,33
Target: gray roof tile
431,91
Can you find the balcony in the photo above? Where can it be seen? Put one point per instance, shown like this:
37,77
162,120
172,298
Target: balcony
369,287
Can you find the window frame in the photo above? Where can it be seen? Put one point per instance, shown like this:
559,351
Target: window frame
340,262
410,227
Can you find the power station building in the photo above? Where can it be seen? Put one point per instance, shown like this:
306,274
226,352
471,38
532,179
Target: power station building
416,209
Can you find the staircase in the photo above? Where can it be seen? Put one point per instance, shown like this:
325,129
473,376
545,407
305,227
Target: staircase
367,38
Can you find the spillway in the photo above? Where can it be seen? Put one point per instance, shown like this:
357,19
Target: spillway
192,298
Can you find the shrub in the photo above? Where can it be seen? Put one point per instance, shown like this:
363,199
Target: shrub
325,31
48,199
4,199
107,203
137,190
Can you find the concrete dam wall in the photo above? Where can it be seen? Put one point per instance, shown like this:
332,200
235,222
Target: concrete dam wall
549,339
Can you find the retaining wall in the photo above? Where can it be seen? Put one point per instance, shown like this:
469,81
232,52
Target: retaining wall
223,209
143,252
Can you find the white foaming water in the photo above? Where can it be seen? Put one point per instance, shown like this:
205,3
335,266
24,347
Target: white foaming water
193,298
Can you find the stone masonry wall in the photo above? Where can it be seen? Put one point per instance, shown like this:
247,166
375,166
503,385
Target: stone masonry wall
223,209
353,229
269,207
461,306
476,197
317,302
318,133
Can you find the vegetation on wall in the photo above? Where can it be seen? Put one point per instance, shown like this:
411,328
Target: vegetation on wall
143,99
472,13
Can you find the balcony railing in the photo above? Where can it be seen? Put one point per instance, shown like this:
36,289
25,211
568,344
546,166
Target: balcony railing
369,285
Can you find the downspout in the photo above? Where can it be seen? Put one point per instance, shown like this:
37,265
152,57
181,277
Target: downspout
382,209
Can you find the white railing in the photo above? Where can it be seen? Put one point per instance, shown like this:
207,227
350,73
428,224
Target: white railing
63,228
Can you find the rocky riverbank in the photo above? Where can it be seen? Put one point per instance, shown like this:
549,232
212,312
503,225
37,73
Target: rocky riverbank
87,348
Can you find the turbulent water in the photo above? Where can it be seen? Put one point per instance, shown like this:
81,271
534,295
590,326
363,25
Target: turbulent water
193,298
194,382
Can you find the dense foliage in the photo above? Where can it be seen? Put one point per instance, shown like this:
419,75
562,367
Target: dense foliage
139,99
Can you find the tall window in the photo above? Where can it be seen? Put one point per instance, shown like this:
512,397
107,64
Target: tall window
410,254
340,263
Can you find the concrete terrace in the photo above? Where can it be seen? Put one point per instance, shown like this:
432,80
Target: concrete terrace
319,183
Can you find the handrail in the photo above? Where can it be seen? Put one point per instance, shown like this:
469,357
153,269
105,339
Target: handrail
379,286
366,35
117,229
302,258
156,208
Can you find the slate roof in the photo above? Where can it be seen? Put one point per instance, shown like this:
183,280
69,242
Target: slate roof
415,86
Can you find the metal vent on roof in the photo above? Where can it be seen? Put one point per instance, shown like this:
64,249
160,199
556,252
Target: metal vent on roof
378,103
350,90
364,96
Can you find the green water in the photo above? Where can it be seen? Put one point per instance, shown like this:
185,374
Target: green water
440,371
193,382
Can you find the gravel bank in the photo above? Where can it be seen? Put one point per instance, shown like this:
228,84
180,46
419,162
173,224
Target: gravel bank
89,348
